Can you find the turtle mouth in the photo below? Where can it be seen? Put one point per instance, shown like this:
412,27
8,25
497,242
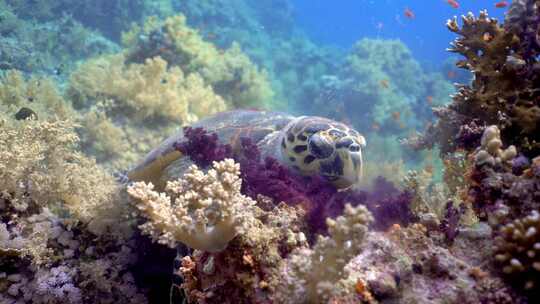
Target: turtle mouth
347,169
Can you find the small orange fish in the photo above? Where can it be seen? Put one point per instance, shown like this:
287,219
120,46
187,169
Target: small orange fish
429,100
453,3
375,127
451,74
384,83
211,36
396,115
501,4
487,37
402,125
409,13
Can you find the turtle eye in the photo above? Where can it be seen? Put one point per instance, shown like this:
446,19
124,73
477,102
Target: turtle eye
320,147
354,148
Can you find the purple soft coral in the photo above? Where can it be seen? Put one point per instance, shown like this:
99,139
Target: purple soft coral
203,148
316,195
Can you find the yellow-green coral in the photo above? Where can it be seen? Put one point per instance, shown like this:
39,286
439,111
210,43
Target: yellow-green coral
37,93
144,91
129,108
230,72
39,164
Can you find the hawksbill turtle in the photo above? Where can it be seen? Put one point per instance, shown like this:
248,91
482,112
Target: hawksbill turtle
309,144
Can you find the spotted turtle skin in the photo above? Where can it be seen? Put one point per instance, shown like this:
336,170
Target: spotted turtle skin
309,144
317,145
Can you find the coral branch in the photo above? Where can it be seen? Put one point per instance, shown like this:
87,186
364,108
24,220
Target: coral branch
203,211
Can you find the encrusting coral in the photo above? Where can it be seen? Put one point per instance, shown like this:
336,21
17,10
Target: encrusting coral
202,210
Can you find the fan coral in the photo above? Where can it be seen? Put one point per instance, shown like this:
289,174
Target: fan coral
518,249
313,275
203,211
230,72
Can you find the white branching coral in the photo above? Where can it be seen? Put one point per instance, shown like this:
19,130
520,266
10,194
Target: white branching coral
202,210
312,275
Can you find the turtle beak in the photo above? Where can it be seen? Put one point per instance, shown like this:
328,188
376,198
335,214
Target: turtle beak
352,169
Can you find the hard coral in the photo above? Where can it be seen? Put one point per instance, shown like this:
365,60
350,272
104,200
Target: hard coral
491,151
504,62
202,210
248,271
317,275
518,250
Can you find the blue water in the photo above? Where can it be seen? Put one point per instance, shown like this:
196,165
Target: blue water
343,22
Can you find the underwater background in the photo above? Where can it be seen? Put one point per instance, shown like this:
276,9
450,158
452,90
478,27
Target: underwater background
269,151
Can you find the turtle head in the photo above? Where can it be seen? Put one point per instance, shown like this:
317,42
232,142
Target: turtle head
316,145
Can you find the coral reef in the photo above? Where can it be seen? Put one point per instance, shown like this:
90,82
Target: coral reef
39,163
248,271
231,74
61,237
517,249
504,62
203,211
52,46
314,275
244,227
127,108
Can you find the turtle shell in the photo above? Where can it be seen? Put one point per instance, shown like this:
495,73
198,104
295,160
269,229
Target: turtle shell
165,162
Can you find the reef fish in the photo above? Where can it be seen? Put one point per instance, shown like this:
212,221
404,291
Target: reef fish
409,13
501,4
453,3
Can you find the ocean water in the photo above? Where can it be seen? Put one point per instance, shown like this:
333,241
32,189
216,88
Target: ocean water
268,151
343,22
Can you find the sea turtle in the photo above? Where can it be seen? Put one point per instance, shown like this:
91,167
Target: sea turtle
309,144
